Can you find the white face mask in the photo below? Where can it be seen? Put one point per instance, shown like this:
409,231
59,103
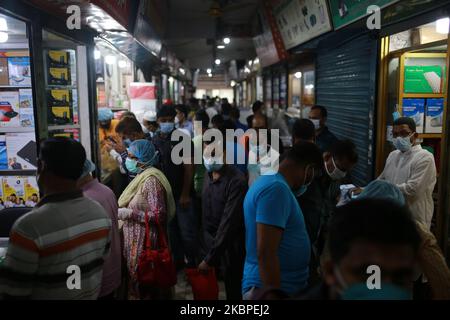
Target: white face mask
316,123
337,173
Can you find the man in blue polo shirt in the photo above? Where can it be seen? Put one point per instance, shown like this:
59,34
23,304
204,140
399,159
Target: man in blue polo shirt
277,243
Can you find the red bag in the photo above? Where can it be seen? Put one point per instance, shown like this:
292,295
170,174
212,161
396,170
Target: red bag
155,267
204,286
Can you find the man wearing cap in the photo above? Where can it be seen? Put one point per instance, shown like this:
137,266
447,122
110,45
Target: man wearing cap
150,123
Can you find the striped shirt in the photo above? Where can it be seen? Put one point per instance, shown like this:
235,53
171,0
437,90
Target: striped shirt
63,230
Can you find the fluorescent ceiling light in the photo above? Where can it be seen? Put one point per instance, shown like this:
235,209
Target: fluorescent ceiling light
97,54
298,75
208,70
220,46
233,83
226,40
3,24
3,37
209,75
217,61
122,64
442,25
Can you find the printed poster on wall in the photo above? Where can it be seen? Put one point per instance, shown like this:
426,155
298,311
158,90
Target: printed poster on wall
344,12
142,98
302,20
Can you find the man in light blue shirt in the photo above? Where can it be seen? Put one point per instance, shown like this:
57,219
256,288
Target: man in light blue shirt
277,243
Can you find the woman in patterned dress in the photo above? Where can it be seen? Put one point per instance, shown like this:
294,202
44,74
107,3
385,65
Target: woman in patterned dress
150,193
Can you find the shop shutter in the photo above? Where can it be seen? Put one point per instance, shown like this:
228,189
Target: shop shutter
346,85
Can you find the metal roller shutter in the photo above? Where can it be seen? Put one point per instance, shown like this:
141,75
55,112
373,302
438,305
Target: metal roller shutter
345,85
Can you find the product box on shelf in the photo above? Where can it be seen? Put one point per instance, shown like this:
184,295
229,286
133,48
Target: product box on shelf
3,153
22,151
9,109
19,71
58,58
4,75
435,116
13,192
31,191
415,108
59,76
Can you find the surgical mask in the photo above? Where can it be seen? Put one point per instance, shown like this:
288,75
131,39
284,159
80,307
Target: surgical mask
177,121
301,191
403,144
211,164
166,127
145,129
132,166
337,173
127,142
316,123
360,291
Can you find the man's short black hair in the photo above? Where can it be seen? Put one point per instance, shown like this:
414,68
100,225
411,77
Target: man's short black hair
344,149
323,110
305,153
203,117
183,109
217,120
257,105
250,120
376,221
304,129
128,126
226,109
128,114
63,157
408,121
166,111
235,113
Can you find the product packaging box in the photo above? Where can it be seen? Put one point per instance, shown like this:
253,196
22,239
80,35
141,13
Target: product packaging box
435,116
58,58
59,76
9,109
26,98
60,106
19,71
13,192
4,75
423,79
31,191
415,108
26,117
22,151
3,153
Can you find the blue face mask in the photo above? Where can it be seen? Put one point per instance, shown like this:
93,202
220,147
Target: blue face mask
403,144
388,291
132,166
167,127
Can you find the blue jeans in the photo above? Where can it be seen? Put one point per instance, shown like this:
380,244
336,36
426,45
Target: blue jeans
184,235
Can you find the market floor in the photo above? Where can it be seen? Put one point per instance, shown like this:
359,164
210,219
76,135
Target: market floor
183,290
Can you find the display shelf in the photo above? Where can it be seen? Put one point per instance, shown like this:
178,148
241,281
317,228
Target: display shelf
14,87
430,135
423,95
18,172
16,130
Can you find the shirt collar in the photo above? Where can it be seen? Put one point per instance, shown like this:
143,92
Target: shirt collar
60,197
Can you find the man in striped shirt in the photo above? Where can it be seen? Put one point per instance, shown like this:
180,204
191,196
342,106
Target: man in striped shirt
57,250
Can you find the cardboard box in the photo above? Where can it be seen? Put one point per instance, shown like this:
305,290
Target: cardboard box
31,191
4,75
435,116
415,109
9,109
19,71
13,192
22,151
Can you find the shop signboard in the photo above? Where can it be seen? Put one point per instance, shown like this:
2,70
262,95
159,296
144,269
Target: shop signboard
301,20
344,12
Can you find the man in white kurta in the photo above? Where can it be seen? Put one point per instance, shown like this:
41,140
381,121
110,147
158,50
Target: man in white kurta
413,170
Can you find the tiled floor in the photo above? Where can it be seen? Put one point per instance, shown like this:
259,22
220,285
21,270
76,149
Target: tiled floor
183,290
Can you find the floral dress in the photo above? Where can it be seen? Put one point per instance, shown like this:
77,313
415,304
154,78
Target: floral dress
152,199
